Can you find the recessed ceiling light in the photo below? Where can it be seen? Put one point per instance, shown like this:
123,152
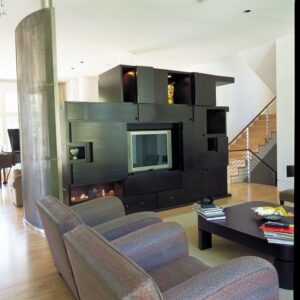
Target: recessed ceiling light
247,11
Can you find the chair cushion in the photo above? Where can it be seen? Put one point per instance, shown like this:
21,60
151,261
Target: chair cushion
121,226
287,195
176,272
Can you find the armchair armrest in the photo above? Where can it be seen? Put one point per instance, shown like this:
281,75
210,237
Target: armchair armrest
119,227
100,210
155,245
242,278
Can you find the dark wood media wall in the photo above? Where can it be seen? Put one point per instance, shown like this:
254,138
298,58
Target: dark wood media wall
134,99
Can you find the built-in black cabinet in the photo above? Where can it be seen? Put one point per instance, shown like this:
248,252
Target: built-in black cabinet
134,100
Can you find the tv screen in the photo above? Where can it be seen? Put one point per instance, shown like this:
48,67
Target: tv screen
14,138
149,150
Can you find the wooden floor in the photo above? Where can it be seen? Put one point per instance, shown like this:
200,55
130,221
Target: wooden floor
26,267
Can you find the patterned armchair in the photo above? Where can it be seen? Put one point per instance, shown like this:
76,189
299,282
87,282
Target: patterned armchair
106,215
153,263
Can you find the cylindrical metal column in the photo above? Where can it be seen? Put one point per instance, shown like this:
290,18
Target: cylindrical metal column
46,3
38,111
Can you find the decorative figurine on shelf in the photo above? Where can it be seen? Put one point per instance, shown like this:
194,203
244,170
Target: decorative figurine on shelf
103,192
111,192
171,93
74,153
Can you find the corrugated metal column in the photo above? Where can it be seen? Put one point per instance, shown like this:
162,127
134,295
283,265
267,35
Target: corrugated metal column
38,111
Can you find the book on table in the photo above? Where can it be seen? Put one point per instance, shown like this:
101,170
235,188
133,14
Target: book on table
279,235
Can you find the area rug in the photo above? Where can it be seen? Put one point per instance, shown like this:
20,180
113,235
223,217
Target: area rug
222,250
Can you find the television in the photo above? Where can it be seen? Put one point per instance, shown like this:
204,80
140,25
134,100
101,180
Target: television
14,138
149,150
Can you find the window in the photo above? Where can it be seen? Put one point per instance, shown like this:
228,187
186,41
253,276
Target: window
9,117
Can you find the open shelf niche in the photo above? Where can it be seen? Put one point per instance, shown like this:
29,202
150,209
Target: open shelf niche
80,152
93,191
216,121
182,87
129,76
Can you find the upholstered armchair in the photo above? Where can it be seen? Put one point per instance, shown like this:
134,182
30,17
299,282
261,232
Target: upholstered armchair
106,215
286,195
153,263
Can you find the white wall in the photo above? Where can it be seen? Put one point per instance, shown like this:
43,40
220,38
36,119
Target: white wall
245,98
84,88
285,60
262,60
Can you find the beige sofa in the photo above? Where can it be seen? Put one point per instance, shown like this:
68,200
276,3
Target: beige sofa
15,186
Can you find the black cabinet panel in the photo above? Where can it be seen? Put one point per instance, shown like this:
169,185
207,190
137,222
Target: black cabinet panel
212,152
205,89
165,113
74,111
140,203
170,198
111,112
194,185
145,85
161,86
110,85
151,182
216,181
109,159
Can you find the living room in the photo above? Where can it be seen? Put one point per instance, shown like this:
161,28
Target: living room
262,68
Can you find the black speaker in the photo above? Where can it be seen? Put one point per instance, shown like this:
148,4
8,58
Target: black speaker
290,171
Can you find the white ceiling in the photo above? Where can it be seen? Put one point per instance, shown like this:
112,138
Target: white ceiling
175,34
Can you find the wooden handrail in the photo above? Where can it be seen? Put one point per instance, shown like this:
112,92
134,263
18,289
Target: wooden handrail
252,121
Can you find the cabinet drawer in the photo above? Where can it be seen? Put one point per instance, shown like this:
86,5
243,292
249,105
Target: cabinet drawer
170,198
140,203
150,182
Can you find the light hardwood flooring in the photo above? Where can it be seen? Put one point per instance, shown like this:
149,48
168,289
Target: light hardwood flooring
26,267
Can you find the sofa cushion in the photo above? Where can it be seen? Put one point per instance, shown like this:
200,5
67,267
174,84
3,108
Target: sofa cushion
176,272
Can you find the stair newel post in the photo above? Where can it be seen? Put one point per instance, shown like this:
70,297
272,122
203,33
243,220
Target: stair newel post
248,153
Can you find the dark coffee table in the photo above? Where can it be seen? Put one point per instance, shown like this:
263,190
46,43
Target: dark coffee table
242,226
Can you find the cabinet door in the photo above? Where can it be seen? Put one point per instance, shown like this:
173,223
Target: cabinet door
109,152
165,113
161,86
140,203
217,181
205,89
170,198
111,112
152,181
145,84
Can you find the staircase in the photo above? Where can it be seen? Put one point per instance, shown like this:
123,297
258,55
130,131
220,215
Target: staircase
243,149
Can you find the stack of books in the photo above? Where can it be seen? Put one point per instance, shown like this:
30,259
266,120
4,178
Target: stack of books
210,211
278,233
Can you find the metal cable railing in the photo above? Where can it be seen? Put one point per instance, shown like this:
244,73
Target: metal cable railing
251,168
254,135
